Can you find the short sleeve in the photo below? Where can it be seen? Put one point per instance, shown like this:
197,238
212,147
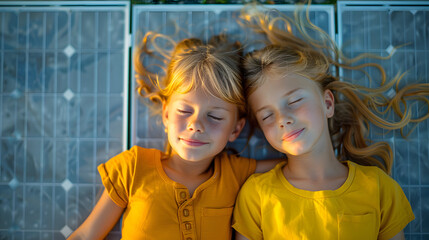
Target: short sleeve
117,175
247,211
396,211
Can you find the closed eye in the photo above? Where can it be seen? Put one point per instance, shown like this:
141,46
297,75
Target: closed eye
215,118
293,102
265,118
183,111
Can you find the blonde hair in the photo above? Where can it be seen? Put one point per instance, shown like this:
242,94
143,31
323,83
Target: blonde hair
355,106
215,67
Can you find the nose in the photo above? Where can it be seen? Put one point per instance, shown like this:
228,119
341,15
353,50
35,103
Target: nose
284,120
195,124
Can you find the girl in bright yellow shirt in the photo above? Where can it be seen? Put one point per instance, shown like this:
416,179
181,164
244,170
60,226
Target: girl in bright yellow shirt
335,183
187,192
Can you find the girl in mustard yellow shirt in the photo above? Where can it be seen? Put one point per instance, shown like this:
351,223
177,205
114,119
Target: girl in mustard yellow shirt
187,192
324,191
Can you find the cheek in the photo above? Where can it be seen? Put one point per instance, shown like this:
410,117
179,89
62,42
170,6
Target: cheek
309,111
317,113
176,120
269,131
221,129
217,127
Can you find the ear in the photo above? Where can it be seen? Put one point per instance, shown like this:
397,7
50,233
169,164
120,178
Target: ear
237,130
165,114
329,100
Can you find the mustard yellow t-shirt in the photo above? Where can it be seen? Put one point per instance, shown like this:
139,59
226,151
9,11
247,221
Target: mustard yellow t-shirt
369,205
159,208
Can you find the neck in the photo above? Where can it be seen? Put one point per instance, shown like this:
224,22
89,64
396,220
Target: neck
188,173
313,167
187,168
318,164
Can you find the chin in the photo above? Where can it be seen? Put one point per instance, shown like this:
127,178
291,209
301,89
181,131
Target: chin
293,151
296,152
191,157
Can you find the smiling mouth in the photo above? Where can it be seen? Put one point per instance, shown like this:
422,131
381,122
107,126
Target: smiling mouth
293,135
193,142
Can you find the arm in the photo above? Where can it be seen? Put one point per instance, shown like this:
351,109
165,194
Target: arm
266,165
399,236
100,221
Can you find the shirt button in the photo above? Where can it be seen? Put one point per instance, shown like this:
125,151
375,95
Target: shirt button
185,212
182,194
188,226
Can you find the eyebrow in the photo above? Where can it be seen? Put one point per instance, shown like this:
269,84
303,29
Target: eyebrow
284,95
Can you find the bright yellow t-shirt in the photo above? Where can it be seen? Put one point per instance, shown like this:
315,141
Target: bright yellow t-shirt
369,205
159,208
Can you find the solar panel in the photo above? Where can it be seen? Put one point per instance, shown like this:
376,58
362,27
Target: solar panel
64,93
63,101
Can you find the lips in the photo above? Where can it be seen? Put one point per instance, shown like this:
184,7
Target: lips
193,142
293,135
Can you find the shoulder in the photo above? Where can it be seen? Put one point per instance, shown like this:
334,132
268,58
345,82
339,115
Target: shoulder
237,162
265,180
235,167
235,159
374,175
135,151
371,172
134,156
141,151
143,154
251,186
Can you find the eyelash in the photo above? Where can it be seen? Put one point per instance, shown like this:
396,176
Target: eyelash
215,118
211,116
295,101
265,118
182,111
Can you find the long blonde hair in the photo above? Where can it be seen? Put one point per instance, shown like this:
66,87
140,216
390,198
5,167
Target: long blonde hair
355,106
214,67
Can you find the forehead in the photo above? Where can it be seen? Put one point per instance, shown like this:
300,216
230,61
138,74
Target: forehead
277,86
202,98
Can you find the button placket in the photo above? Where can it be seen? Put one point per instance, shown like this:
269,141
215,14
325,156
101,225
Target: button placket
185,214
187,220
